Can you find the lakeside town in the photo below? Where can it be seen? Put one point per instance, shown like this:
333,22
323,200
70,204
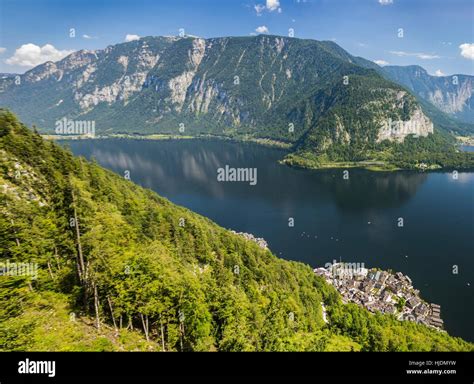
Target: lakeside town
374,289
381,291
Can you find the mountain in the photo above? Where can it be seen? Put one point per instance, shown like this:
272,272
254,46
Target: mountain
453,95
120,268
252,84
312,94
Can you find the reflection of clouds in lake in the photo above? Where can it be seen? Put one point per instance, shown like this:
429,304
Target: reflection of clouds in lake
210,159
192,169
124,161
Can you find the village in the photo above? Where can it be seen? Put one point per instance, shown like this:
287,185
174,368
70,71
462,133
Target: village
381,291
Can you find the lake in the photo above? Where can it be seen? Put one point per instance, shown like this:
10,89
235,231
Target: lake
353,220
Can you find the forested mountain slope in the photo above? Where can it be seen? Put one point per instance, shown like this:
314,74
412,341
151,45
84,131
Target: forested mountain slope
121,268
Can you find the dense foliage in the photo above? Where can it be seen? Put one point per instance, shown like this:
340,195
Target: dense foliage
121,268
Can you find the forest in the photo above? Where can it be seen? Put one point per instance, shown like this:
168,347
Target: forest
121,268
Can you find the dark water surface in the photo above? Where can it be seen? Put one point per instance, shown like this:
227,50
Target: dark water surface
354,220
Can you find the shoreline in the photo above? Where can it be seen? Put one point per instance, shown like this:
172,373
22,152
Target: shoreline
465,140
159,137
290,159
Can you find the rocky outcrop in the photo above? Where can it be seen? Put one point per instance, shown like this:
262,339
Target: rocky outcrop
396,130
455,101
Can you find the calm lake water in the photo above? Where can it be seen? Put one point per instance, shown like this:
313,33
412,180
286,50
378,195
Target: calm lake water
351,220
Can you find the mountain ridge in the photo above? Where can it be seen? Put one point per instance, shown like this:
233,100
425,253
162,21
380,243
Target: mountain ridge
265,86
452,94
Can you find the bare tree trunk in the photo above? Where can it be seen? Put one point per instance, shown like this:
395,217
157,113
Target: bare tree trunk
145,329
112,312
120,321
162,335
184,332
96,306
78,238
56,258
181,336
50,270
16,238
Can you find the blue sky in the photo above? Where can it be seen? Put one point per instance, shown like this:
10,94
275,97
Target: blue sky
437,34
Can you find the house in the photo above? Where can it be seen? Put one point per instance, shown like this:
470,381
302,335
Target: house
386,296
383,277
412,302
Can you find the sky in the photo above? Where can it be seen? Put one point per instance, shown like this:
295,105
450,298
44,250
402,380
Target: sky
436,34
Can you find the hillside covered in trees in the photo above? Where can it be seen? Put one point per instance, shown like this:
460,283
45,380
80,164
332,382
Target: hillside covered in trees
121,268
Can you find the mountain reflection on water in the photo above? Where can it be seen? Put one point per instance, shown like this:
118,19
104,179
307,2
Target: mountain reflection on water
164,168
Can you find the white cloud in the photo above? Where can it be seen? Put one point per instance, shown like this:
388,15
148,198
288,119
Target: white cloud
439,72
31,55
420,55
427,56
381,62
131,38
273,5
385,2
467,50
2,50
259,8
261,29
89,37
270,6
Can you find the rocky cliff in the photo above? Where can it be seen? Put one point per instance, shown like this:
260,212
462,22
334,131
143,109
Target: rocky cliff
451,94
